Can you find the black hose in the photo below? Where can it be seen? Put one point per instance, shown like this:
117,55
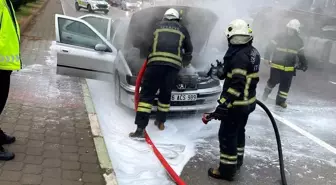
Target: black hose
277,135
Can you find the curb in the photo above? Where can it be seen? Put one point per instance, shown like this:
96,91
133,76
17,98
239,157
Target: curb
26,22
98,138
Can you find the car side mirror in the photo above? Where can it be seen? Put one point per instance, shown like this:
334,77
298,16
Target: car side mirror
100,47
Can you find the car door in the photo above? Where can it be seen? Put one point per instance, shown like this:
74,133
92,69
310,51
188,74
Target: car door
82,51
101,24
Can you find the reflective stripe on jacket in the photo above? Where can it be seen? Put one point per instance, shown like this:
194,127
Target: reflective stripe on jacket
242,67
9,38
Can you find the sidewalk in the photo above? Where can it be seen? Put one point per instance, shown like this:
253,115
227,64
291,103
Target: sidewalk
47,114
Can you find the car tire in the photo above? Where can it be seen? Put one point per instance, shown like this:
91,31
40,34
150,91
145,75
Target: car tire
106,12
77,6
117,92
89,8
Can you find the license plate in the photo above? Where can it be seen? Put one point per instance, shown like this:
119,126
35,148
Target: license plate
184,97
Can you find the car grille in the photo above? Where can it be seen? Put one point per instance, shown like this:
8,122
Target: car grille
102,6
189,82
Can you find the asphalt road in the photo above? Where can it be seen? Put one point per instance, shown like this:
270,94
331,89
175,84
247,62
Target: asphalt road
307,129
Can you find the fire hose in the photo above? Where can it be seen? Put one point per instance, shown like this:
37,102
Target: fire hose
205,120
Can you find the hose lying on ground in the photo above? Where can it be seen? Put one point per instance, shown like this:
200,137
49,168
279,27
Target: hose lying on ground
278,140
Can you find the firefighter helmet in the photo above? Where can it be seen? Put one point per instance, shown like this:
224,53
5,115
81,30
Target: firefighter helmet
294,24
171,14
238,27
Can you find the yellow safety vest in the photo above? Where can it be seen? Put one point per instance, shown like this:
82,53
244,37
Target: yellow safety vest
9,39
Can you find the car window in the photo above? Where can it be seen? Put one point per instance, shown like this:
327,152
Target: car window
99,24
78,34
114,26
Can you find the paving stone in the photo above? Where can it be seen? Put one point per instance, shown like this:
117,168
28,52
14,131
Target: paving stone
31,179
36,136
52,172
68,135
10,175
21,134
88,158
70,165
69,149
22,128
35,143
9,183
19,157
17,148
87,150
38,130
51,146
92,178
32,169
51,181
52,154
6,126
52,139
13,166
67,182
34,151
70,157
51,163
89,167
21,141
30,159
68,141
52,133
71,175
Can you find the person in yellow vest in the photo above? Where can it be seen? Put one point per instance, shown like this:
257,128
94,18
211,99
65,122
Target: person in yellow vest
9,61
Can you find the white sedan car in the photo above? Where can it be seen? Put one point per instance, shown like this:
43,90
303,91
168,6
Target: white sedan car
98,47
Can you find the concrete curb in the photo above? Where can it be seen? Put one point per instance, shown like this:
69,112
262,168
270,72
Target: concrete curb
26,22
98,138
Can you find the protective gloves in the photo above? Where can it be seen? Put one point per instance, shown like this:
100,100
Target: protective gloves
217,72
302,67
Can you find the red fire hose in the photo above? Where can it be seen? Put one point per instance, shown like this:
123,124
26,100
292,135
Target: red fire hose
163,161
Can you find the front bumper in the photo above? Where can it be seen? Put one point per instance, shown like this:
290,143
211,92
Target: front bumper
100,7
206,99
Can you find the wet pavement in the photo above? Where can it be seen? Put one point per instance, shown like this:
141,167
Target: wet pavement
312,106
46,113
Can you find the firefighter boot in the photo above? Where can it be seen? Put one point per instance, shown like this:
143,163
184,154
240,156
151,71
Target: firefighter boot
159,124
214,173
267,91
6,139
283,104
138,134
5,155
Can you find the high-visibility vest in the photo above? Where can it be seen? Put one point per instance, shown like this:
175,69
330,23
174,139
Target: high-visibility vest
9,38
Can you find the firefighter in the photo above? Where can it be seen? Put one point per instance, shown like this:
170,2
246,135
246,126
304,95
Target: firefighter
170,51
238,98
9,61
284,49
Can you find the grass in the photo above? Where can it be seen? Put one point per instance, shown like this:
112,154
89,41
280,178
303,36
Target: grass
27,10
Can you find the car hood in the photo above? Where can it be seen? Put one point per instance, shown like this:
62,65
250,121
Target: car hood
199,22
100,2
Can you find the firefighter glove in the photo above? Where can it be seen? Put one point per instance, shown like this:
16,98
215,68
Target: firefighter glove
220,113
217,72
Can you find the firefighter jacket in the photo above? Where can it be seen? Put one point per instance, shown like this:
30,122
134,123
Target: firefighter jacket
171,45
241,65
9,38
285,50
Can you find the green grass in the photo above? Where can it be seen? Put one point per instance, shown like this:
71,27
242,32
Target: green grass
26,10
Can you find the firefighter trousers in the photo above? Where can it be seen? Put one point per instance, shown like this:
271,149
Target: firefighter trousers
231,137
156,77
283,78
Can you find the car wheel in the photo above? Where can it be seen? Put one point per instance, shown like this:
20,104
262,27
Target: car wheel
106,12
117,89
77,6
90,9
